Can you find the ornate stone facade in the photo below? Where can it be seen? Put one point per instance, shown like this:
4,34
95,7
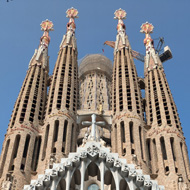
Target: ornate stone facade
90,130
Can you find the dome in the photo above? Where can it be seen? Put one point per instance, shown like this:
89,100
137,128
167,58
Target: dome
95,62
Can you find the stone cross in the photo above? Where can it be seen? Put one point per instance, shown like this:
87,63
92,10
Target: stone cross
94,135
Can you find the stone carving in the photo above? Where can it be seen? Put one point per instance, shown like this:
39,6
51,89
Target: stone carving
60,168
54,173
52,160
93,151
100,108
83,155
85,139
158,131
147,184
39,184
68,164
76,160
6,185
47,180
181,184
132,173
126,115
102,155
93,148
117,164
110,160
125,170
140,180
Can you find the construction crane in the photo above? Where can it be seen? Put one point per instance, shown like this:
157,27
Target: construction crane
159,45
166,55
135,54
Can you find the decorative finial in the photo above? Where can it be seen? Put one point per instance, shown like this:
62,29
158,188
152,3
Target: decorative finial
69,37
147,28
46,26
72,13
120,14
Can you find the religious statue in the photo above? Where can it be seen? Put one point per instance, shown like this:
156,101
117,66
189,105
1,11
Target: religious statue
52,160
7,185
181,184
100,108
85,139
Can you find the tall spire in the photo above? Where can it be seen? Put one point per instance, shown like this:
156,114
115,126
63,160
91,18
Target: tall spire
22,139
69,37
60,121
165,141
127,126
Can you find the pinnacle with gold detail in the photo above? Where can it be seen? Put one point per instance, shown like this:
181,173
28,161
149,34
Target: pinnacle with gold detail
147,28
72,13
120,14
46,26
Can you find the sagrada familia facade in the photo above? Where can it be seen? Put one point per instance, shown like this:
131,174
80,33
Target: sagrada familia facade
93,130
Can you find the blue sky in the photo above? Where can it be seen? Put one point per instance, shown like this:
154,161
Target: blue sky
20,33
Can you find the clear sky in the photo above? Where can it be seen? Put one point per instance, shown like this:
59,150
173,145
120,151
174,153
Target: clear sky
20,33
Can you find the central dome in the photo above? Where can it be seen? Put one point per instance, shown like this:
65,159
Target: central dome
95,62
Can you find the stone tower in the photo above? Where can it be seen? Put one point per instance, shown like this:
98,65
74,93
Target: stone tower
95,73
59,135
95,77
167,151
21,145
128,133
